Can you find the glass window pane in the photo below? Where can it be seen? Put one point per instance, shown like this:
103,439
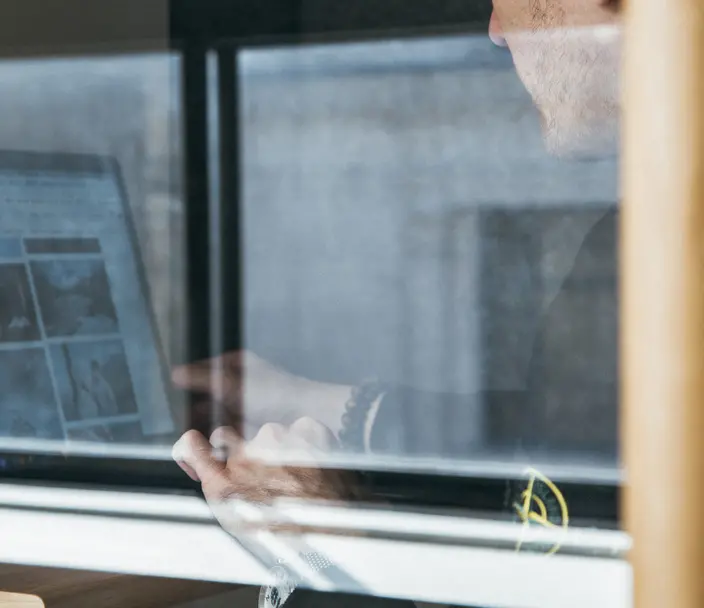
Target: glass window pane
407,225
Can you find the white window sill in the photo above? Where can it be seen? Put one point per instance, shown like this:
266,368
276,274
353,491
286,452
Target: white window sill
175,536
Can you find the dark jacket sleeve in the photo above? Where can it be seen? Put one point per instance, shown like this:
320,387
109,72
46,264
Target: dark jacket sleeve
421,423
569,403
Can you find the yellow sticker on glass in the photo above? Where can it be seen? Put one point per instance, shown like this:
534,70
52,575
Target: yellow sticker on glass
542,504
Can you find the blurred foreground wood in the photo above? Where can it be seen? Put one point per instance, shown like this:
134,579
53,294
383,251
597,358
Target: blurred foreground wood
17,600
662,304
60,588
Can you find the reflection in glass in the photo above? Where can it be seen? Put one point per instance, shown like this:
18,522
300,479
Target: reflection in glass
405,221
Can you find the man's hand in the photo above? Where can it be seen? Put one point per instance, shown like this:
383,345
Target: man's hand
228,467
255,392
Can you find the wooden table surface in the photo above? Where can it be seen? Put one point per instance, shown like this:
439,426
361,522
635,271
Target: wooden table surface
61,588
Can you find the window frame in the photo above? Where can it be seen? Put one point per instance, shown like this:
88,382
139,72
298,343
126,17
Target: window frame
195,39
453,562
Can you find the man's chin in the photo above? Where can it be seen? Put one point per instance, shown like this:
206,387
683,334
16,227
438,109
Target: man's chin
582,141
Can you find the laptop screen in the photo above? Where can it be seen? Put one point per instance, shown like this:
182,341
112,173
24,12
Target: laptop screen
80,365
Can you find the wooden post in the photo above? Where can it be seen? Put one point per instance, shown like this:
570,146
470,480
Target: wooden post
19,600
662,300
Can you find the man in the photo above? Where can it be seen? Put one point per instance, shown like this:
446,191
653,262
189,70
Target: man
567,54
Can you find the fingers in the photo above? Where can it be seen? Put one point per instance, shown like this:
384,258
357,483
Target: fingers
268,442
314,433
239,474
304,439
271,435
227,442
194,455
198,457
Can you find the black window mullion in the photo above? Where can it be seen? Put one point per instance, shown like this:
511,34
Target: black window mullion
196,212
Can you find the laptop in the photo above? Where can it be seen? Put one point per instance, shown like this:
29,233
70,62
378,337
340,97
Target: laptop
82,370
